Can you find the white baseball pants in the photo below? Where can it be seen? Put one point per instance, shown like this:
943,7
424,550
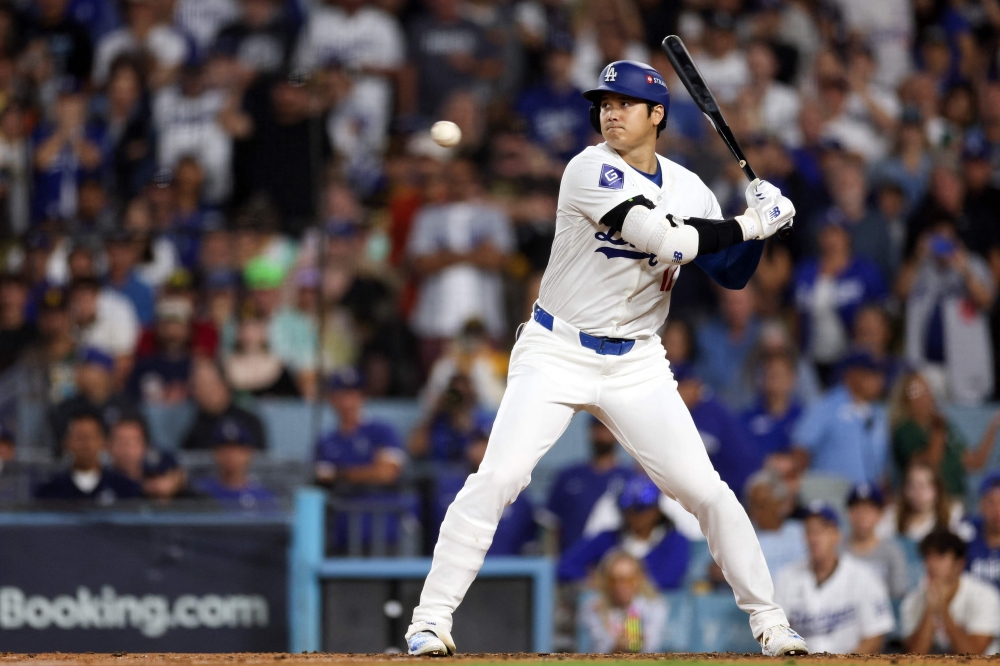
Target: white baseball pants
636,396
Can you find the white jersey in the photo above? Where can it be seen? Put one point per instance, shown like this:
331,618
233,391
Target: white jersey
601,284
975,608
849,607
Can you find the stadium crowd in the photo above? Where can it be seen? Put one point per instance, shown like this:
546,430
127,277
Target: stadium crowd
224,202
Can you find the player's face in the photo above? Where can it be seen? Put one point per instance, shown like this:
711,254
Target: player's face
627,123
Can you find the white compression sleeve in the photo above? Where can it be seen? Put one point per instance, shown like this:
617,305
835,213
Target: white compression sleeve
650,231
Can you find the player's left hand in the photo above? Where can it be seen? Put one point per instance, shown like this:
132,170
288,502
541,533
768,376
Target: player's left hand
773,210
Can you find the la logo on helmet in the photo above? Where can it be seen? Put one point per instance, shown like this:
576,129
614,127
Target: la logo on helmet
611,75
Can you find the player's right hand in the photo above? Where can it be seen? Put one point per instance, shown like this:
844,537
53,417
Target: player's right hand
772,210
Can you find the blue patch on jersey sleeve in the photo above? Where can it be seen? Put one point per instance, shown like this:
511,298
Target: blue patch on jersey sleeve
611,178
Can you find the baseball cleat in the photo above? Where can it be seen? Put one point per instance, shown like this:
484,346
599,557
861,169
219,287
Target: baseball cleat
781,641
423,640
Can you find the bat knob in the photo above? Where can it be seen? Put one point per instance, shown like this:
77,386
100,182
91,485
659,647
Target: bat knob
785,232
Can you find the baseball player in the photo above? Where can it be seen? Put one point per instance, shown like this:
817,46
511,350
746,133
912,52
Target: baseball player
627,220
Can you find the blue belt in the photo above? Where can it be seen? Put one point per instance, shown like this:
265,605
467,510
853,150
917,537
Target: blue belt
603,346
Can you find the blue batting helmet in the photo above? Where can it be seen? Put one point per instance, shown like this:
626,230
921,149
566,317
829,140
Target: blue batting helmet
632,78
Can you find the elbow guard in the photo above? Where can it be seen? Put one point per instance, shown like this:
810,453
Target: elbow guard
657,232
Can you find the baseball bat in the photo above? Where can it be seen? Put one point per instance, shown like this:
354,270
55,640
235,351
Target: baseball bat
692,79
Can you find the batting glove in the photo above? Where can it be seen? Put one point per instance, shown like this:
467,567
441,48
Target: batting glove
767,211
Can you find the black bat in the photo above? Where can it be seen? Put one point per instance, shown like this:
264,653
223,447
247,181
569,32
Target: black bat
692,79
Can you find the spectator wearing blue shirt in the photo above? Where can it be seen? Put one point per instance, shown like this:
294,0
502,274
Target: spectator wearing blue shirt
725,342
455,420
728,447
556,112
845,433
828,291
517,528
65,152
359,452
648,535
163,377
131,455
770,421
234,447
123,256
87,478
983,556
578,487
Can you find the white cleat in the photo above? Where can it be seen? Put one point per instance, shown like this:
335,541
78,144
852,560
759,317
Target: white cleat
423,640
781,641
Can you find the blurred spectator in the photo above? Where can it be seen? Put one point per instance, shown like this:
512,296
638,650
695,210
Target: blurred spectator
923,505
158,258
360,452
471,353
517,528
947,329
447,53
984,548
16,168
835,602
723,64
770,503
144,33
234,447
87,478
215,405
869,231
873,332
179,292
162,375
909,164
578,488
361,37
952,611
776,410
627,614
888,26
457,250
292,332
979,225
95,393
16,332
201,20
865,506
50,361
778,104
646,535
123,257
260,40
252,367
187,122
922,431
8,446
845,433
67,42
129,123
65,152
132,456
729,448
555,111
725,342
449,429
828,291
106,321
678,341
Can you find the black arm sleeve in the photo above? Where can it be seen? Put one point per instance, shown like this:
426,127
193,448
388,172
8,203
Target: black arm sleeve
615,217
713,235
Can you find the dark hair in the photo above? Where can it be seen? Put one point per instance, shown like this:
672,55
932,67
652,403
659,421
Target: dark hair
663,123
87,415
134,419
942,541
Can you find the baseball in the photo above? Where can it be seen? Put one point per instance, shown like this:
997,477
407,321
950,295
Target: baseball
446,133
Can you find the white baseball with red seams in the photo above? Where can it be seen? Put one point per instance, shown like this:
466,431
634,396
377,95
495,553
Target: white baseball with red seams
601,285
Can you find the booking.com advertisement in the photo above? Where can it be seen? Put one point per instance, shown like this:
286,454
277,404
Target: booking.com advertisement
143,588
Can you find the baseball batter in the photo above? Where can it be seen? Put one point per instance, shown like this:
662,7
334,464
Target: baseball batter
627,220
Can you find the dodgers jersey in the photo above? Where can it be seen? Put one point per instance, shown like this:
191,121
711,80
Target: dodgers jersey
849,607
600,283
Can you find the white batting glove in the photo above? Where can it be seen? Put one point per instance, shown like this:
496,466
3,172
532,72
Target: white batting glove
767,211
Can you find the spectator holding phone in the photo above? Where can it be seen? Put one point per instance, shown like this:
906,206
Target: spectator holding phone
949,295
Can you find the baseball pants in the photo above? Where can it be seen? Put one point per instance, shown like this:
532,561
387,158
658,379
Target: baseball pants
635,395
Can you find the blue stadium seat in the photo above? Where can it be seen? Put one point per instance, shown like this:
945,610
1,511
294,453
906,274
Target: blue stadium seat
721,625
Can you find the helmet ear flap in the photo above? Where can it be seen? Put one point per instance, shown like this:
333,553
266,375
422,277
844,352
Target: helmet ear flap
595,118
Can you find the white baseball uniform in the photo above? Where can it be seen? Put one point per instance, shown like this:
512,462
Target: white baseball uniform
600,285
850,606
